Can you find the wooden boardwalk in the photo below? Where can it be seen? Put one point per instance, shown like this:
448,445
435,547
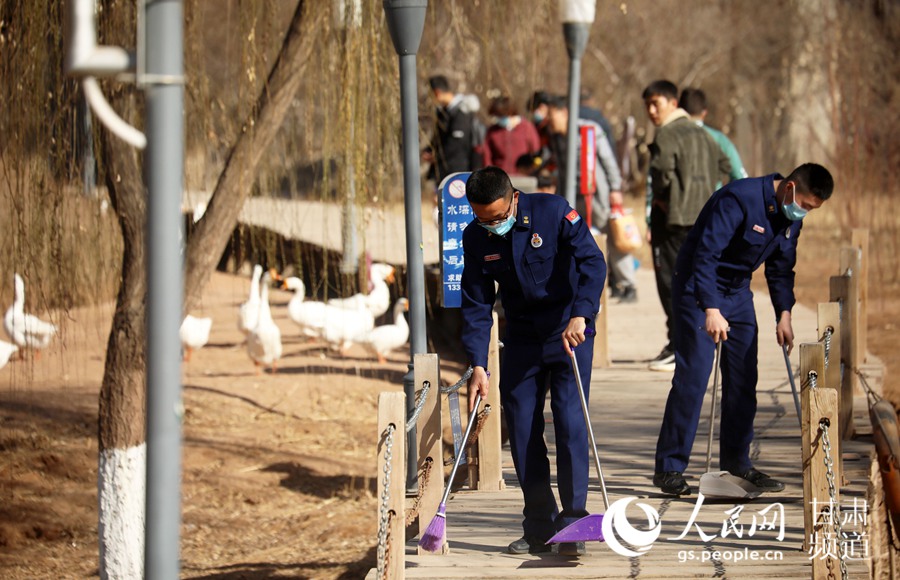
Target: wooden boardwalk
627,403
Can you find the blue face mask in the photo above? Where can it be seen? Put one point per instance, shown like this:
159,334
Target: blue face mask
793,211
502,228
538,117
503,122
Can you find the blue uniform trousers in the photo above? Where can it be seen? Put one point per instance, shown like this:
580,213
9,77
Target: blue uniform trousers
694,356
528,370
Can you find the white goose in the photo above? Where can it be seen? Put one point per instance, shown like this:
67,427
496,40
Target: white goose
194,333
26,330
339,327
264,341
384,339
6,350
378,300
249,310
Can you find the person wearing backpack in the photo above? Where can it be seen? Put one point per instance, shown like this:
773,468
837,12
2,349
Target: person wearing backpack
458,136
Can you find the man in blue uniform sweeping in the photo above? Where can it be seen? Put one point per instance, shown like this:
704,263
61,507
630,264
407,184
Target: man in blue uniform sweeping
550,274
743,225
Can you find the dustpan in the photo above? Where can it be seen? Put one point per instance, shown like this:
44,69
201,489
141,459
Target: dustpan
721,484
588,528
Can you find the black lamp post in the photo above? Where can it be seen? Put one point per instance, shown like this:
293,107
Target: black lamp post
406,20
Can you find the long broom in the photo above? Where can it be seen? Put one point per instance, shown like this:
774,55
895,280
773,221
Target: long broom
433,538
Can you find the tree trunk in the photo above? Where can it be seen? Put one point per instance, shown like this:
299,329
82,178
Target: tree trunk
121,476
122,439
212,232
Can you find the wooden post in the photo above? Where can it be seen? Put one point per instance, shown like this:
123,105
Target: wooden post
859,239
429,433
850,263
601,340
490,474
829,317
817,404
392,411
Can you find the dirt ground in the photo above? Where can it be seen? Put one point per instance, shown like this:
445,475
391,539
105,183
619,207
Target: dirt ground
278,468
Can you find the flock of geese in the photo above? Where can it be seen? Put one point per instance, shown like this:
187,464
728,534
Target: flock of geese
26,331
339,322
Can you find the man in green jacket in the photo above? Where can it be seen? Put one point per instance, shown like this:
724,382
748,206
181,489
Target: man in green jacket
693,101
685,166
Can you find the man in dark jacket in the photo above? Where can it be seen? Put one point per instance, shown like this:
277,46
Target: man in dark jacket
458,134
747,223
550,274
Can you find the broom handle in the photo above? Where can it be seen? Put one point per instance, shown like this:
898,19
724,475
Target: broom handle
590,429
790,371
462,448
712,412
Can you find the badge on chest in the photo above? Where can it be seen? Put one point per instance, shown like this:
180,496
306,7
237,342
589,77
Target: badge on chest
536,241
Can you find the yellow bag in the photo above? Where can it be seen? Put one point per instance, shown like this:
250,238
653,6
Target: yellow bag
625,232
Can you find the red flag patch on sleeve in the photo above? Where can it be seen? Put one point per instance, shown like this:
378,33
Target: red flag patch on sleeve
573,217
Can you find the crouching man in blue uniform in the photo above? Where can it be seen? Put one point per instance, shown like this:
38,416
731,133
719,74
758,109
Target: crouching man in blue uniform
743,225
550,274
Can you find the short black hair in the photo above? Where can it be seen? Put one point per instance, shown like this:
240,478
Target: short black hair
813,178
439,83
487,185
537,99
660,88
557,102
693,101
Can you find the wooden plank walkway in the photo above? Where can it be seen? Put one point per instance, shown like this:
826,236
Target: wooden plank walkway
627,403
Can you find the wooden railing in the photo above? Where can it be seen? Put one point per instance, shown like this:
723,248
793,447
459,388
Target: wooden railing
828,384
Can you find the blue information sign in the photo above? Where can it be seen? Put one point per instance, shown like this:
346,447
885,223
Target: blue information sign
456,214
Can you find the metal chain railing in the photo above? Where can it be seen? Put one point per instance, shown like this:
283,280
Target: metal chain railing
456,386
414,416
479,425
413,512
384,521
828,332
836,523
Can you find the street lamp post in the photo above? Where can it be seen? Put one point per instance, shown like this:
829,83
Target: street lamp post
577,17
406,20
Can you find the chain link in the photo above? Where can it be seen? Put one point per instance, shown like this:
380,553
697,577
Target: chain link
832,494
414,417
459,383
479,425
828,332
384,521
413,512
813,380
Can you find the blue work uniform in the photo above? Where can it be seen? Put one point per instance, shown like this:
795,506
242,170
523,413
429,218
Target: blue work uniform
741,227
549,269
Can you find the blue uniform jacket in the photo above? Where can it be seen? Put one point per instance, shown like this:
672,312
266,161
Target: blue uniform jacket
549,269
739,228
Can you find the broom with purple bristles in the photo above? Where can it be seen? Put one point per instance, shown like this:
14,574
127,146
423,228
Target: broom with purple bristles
433,538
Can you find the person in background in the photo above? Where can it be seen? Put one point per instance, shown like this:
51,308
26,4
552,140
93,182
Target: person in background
745,224
587,110
455,141
509,137
608,192
550,273
685,166
693,101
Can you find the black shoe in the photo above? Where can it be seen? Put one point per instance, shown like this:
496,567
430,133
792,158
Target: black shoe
614,292
528,545
572,549
762,481
628,295
671,482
